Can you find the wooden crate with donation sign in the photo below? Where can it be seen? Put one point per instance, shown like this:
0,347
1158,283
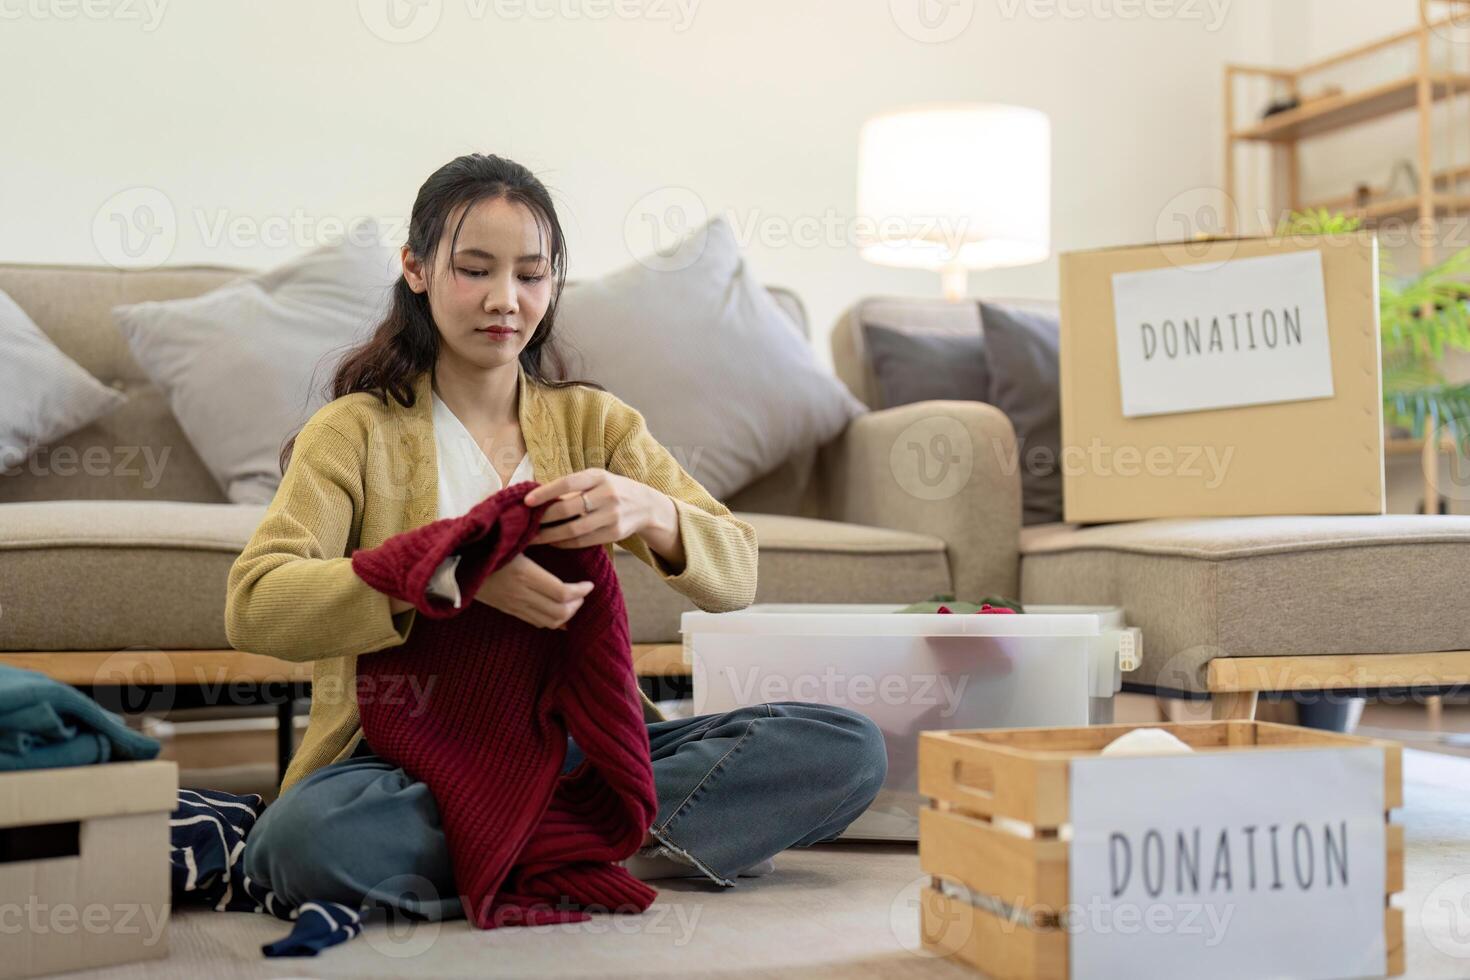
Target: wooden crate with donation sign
1050,858
1222,378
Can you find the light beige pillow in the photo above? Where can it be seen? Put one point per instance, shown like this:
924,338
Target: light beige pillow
722,376
245,365
44,395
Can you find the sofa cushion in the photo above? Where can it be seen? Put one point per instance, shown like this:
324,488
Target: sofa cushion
748,393
1261,586
150,457
1021,347
915,366
244,366
130,574
44,394
118,574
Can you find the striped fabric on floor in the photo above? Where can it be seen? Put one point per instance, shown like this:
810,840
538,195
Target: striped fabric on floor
207,835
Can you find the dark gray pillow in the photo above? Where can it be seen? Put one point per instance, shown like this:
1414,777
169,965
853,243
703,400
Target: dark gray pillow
913,366
1021,347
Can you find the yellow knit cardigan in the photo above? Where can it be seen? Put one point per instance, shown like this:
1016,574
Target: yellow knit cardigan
361,472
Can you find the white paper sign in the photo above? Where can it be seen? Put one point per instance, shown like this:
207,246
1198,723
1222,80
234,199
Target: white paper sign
1229,865
1244,332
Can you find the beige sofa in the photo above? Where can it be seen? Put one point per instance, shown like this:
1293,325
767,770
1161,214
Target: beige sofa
1234,606
116,541
115,570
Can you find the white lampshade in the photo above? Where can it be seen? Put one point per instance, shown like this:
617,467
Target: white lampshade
956,187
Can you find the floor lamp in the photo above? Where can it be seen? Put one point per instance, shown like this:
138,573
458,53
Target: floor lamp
954,188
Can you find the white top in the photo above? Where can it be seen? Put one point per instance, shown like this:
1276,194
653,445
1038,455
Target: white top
465,474
465,478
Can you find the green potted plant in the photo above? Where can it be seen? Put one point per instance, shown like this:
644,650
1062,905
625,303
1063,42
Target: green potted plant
1417,397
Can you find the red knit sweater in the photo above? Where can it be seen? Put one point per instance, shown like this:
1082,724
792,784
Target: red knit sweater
478,703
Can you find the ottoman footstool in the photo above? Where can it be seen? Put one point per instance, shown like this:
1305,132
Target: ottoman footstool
1230,607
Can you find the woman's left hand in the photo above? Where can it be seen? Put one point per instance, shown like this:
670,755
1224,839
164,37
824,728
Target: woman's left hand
615,508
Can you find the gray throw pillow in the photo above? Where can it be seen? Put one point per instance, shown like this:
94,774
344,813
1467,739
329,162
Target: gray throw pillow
44,395
244,366
1021,347
912,366
695,343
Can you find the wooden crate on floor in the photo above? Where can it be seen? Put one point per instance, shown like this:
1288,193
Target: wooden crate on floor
1013,841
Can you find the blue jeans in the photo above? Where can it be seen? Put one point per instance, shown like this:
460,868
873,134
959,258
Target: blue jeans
733,790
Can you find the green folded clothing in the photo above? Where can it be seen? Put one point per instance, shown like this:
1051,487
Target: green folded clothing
45,723
932,604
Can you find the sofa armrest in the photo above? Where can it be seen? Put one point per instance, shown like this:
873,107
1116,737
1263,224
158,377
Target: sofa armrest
944,468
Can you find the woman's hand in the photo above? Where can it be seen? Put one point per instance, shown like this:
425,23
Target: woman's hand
605,508
531,593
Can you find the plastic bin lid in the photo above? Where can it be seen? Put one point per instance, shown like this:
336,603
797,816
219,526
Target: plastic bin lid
868,619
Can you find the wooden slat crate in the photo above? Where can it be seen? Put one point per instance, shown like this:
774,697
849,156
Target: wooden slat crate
994,838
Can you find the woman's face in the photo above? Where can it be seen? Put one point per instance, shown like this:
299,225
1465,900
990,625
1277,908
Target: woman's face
486,313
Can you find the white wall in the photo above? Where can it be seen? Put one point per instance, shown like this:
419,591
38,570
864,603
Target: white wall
252,111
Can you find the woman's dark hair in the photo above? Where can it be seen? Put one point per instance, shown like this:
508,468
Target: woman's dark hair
406,342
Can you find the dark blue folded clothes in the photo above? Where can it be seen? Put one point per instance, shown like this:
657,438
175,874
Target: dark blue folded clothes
45,723
207,833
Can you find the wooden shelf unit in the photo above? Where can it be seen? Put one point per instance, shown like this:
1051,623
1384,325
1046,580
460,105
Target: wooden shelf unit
1439,192
1334,112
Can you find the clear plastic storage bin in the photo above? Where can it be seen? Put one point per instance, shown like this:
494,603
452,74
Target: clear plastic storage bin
912,672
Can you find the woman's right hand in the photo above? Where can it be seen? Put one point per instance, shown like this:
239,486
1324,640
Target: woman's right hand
529,592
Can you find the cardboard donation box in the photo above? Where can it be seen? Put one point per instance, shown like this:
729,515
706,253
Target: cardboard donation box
84,866
1222,378
1260,851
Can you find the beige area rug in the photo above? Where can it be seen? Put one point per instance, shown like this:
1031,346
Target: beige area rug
835,910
